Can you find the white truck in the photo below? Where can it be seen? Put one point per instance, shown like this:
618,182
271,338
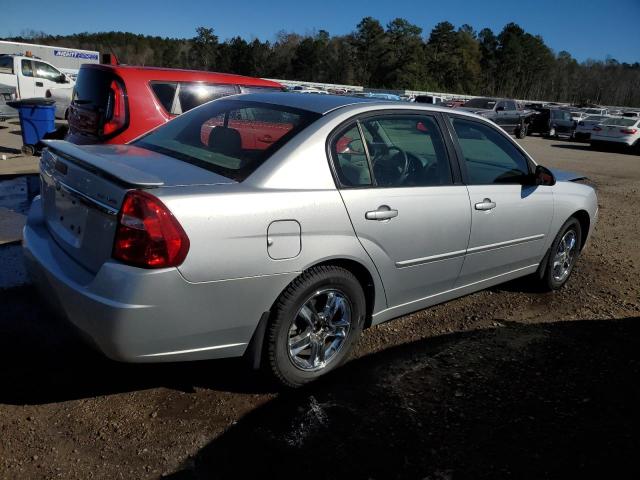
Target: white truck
34,78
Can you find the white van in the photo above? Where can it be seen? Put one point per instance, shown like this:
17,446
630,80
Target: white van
32,77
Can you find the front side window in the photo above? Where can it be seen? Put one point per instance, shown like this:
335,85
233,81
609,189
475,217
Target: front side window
489,156
46,71
27,68
220,136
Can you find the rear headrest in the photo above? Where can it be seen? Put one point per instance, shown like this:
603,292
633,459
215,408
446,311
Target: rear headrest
225,140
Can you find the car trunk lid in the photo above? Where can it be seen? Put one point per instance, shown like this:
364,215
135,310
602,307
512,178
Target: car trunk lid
83,189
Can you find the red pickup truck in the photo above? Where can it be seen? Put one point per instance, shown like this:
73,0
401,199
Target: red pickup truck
118,103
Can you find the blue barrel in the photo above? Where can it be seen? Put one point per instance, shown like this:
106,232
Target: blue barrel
37,118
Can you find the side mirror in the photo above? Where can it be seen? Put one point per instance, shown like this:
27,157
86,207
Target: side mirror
543,176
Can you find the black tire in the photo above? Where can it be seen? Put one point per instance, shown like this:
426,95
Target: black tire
297,294
547,278
521,131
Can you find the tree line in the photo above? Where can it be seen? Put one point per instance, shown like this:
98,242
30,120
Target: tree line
512,63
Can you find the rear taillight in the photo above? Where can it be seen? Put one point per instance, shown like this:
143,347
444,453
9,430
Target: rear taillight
629,131
116,115
596,129
148,235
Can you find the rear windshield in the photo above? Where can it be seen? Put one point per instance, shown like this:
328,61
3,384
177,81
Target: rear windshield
229,137
560,115
622,122
485,103
92,87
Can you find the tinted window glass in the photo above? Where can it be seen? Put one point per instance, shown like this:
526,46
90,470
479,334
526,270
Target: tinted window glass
193,95
219,136
510,105
489,156
165,93
350,159
92,88
406,151
46,71
6,64
252,89
487,103
27,68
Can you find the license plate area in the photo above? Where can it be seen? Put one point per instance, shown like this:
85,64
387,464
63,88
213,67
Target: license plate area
70,216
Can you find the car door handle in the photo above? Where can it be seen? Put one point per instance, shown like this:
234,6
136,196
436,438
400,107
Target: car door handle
384,212
39,84
486,204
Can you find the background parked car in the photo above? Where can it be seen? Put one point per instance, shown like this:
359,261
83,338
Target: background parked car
585,126
617,132
116,103
597,111
503,112
551,122
7,93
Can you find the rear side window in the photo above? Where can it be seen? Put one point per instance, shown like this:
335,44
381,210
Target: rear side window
489,156
350,158
225,138
180,97
6,64
27,68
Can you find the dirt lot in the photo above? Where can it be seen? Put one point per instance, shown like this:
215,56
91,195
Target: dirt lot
509,382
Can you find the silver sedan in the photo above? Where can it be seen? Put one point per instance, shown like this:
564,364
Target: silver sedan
278,226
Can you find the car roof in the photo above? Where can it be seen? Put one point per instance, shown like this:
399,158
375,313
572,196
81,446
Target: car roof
177,74
321,104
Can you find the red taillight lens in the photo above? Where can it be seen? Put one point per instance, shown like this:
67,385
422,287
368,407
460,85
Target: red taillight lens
116,116
148,235
629,131
596,129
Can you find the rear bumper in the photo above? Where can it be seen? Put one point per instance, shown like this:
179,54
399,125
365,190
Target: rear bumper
620,142
139,315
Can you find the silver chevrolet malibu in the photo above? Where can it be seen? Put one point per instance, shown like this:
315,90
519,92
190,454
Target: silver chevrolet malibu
278,226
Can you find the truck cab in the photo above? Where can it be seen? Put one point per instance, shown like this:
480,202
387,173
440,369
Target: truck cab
31,76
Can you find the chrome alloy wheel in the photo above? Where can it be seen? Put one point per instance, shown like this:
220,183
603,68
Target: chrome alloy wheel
319,329
564,257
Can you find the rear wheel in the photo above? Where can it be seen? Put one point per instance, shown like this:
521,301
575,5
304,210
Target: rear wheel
521,131
315,322
562,256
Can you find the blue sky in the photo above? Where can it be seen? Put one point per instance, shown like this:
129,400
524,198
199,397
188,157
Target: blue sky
585,28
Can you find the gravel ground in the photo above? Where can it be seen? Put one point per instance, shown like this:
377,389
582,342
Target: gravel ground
508,382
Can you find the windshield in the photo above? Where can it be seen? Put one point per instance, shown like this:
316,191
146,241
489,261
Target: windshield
485,103
229,137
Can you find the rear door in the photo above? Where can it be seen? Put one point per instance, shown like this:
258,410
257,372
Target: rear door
409,213
26,79
510,221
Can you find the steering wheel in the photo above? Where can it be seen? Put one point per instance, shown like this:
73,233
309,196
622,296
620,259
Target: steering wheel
390,169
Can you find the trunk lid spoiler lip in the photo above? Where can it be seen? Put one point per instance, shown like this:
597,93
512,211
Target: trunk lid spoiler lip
120,172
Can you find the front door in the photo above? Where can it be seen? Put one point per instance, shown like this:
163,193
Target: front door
409,215
509,219
26,80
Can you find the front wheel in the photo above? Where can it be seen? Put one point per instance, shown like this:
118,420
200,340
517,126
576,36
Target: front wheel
562,256
521,131
315,323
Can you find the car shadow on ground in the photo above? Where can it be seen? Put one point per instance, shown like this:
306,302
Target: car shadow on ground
555,400
43,360
572,146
